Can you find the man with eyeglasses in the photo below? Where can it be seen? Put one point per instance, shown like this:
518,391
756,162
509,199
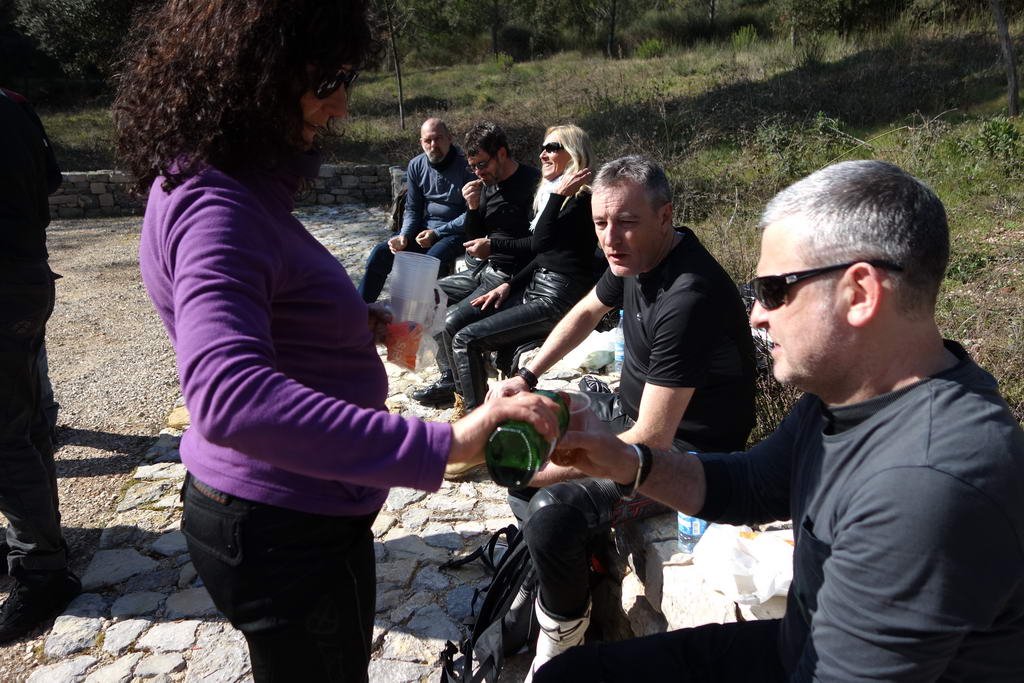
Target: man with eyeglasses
499,205
902,468
434,208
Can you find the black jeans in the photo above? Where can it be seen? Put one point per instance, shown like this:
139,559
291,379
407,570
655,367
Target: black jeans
470,333
301,587
28,477
381,261
746,652
562,521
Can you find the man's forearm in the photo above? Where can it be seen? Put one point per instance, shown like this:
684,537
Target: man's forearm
577,324
677,480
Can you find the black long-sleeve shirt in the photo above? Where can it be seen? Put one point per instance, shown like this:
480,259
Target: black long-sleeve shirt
28,175
909,528
563,241
504,217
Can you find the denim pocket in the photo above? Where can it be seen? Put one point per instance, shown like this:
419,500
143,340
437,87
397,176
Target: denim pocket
214,528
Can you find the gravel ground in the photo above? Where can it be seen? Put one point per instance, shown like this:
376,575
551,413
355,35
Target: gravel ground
114,376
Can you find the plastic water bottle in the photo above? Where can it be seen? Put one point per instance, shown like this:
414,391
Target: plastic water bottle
515,450
619,345
690,530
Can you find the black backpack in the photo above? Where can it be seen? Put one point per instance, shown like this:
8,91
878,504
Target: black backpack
495,632
398,210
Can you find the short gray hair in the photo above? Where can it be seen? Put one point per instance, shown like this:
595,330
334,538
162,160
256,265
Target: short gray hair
860,210
639,170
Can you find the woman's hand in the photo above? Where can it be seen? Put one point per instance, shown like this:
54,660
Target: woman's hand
470,434
572,185
496,297
480,247
379,319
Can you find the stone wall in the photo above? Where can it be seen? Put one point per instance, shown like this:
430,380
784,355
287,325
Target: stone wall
109,193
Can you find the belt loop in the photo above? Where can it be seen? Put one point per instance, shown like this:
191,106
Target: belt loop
184,485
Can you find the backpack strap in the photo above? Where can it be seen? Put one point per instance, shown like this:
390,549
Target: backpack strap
488,550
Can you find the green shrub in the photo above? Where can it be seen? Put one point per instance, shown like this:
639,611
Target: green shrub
999,139
505,62
650,48
743,38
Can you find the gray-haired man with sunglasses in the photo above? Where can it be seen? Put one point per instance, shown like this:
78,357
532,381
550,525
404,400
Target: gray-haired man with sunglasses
901,467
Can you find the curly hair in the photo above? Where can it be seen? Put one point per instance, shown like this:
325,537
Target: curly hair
218,82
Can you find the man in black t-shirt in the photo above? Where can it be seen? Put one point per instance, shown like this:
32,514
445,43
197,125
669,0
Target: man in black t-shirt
499,204
687,381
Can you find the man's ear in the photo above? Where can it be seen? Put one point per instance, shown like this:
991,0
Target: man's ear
864,292
665,216
502,154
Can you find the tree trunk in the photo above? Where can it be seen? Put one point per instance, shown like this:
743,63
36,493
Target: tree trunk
711,10
398,62
495,25
1003,32
614,5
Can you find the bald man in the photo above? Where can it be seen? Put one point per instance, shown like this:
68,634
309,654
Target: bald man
434,208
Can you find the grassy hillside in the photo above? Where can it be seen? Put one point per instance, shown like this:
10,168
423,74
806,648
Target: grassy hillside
734,123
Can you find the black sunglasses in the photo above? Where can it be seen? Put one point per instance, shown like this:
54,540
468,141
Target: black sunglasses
328,86
551,147
771,290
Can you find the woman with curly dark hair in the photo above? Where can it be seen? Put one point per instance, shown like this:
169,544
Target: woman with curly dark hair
291,449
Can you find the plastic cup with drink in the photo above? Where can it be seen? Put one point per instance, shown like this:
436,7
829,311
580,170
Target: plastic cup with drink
516,451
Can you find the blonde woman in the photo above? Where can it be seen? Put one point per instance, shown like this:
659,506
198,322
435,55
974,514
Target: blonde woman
562,270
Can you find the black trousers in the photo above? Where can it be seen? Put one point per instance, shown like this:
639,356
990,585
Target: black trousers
301,587
746,652
28,476
462,288
562,521
470,333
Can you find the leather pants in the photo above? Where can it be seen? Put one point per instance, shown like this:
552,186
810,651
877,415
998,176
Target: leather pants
471,333
462,288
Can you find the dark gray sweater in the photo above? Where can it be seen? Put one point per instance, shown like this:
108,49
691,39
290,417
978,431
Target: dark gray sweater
909,526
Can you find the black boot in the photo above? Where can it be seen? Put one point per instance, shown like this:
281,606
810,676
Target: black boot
439,393
36,599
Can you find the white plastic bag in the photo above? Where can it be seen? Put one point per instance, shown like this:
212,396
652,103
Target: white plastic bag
410,343
747,567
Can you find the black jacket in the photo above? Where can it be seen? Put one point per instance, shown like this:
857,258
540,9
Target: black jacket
28,175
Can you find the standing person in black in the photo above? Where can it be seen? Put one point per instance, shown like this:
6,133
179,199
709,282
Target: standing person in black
687,382
560,273
498,227
37,555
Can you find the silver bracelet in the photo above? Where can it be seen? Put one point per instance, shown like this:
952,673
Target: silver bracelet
640,457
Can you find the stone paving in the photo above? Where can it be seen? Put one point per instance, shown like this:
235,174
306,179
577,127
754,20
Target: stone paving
144,614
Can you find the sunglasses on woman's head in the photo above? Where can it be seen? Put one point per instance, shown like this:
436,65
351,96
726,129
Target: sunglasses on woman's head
771,290
551,147
328,86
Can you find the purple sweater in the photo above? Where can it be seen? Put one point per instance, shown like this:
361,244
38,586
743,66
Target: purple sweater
276,361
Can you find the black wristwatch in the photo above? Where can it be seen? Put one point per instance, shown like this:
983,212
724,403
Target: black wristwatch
528,377
646,461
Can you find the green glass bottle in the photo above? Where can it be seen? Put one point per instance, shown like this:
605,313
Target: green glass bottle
515,450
